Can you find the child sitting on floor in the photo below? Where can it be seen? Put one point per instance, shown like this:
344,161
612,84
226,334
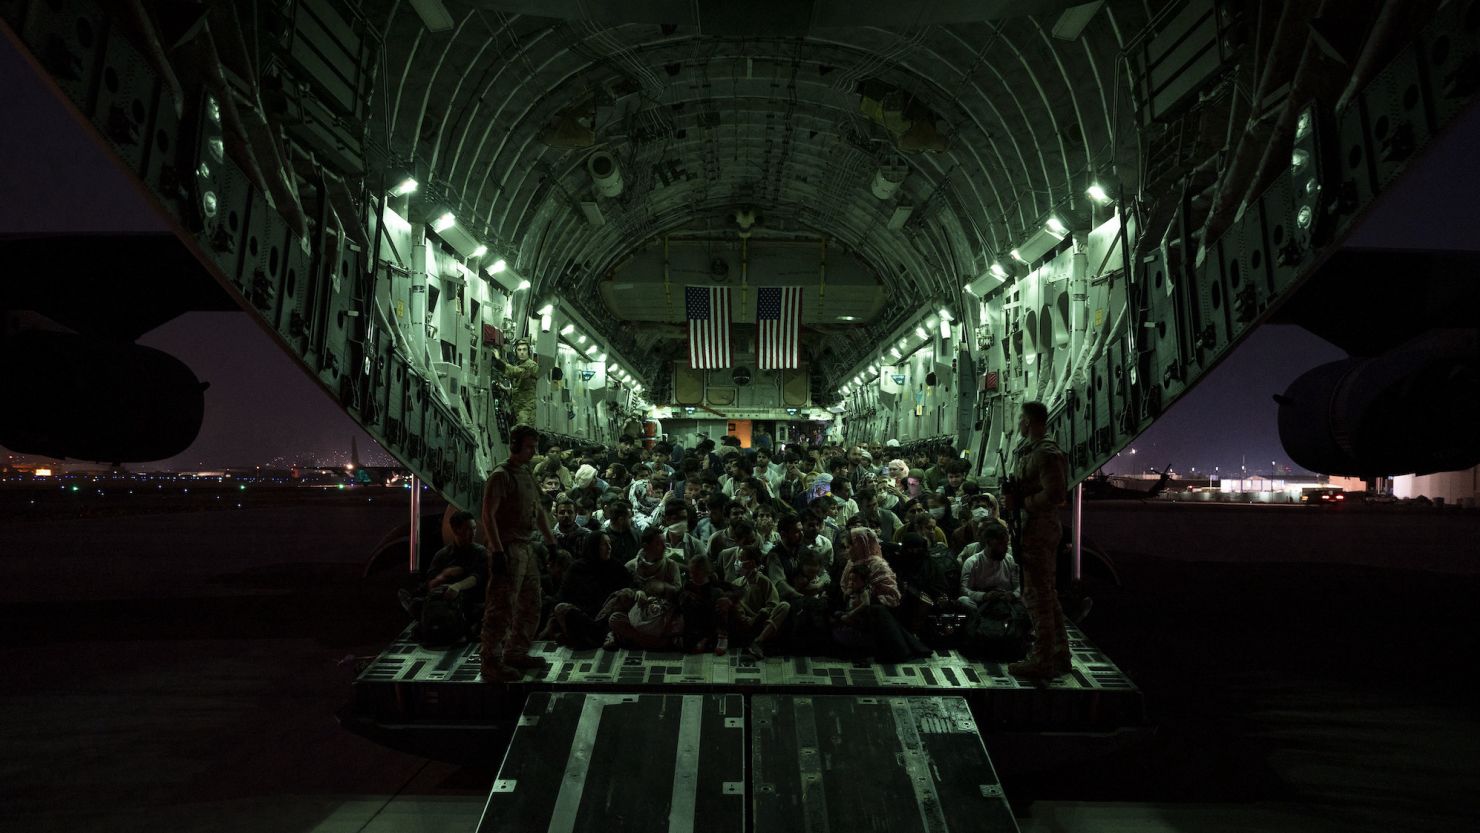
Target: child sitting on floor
650,623
814,580
848,624
704,607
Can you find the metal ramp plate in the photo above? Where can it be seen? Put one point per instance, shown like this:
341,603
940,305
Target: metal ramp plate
902,764
410,683
604,763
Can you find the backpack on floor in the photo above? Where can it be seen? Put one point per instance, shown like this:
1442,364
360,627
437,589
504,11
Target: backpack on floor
442,622
999,631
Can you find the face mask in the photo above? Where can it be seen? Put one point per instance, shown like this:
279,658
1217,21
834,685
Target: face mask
938,512
582,519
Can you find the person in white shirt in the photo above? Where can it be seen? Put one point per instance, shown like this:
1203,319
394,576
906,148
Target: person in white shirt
767,468
842,492
991,573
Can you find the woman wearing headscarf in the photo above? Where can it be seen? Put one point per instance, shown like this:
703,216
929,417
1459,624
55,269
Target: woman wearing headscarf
872,627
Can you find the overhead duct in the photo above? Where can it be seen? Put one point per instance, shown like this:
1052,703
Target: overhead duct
605,175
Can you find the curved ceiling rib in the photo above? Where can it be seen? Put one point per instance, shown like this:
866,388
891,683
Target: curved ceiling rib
772,121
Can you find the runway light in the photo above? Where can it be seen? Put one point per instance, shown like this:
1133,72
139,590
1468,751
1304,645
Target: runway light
567,329
522,285
480,251
1056,227
498,266
1097,193
443,223
407,186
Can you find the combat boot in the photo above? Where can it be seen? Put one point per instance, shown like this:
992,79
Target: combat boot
497,672
1032,669
525,662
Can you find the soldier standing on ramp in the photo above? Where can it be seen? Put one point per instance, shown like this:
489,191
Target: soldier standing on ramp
523,373
1040,473
512,513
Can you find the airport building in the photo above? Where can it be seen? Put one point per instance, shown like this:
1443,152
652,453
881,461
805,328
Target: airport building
1457,488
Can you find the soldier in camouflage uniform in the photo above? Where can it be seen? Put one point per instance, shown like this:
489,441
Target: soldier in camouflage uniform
523,373
1041,472
512,514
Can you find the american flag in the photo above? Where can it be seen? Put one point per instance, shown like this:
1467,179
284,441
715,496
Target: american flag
778,316
708,311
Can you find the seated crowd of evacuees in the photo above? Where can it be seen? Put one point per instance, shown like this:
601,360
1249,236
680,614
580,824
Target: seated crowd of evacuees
809,551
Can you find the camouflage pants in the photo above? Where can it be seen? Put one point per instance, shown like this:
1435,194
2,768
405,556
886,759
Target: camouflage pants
1039,557
523,409
512,612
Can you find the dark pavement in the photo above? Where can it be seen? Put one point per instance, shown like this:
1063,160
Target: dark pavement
181,671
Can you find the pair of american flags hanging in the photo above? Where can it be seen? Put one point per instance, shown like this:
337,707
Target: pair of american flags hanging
778,317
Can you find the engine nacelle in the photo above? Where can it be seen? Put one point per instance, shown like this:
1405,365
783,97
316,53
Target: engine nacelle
73,396
1412,410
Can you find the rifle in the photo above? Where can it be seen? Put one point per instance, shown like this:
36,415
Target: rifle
1011,503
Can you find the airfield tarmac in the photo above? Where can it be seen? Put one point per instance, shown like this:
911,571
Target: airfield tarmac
1303,671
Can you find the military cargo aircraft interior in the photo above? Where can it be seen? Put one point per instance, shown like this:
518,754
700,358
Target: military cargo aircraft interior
742,342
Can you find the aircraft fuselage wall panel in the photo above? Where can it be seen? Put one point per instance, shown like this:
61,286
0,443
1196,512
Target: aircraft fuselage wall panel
1158,320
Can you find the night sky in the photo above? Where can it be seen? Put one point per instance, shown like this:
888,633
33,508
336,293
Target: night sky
261,406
